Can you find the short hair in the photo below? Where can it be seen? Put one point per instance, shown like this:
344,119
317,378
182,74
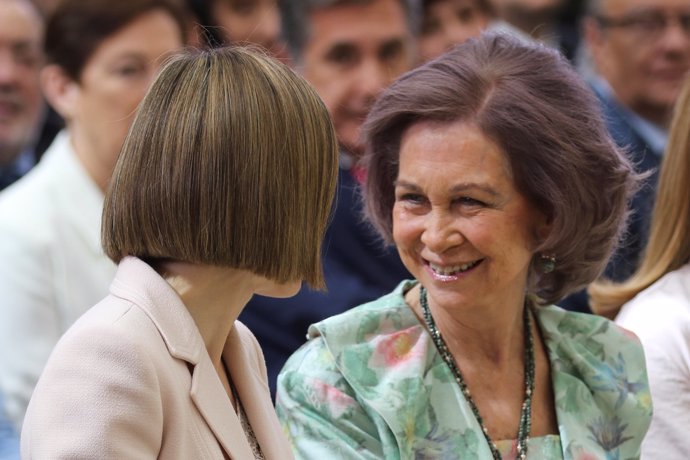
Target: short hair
230,161
529,101
76,28
294,16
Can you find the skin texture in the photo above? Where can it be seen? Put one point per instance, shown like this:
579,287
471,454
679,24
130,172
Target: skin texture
100,107
456,204
448,23
645,74
353,52
253,21
21,103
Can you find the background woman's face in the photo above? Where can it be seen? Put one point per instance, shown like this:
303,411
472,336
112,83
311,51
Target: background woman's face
255,21
461,227
114,81
447,23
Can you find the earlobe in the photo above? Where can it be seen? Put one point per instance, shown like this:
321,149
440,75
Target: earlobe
60,90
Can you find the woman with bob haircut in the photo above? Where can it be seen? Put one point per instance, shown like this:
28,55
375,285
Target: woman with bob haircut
222,191
492,172
655,302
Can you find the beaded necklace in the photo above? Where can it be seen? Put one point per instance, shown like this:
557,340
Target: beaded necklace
525,413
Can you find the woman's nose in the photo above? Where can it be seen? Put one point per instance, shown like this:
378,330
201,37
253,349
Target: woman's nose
441,232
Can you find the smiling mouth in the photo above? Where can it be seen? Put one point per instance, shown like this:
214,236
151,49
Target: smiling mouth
454,269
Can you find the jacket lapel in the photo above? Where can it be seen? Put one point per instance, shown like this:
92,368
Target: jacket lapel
213,403
247,369
138,282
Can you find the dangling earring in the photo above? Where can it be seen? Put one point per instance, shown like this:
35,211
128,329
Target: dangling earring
547,263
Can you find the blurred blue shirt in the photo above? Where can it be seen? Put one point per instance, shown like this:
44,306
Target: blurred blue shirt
9,441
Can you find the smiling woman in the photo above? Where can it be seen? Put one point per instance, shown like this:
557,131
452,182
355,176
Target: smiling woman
485,169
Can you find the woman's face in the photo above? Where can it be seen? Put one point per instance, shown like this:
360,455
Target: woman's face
447,23
461,227
255,21
114,81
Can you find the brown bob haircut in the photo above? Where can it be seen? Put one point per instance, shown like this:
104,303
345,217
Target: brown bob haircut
529,101
76,28
231,161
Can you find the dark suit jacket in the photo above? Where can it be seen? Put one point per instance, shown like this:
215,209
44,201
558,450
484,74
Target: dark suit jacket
625,260
357,266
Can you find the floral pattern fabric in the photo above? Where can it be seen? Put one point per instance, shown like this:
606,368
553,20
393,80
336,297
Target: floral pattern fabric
370,384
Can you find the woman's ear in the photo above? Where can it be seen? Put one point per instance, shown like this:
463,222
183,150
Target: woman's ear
61,92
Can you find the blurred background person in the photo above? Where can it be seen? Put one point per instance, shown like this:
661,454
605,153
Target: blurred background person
552,22
491,170
221,22
21,102
21,105
446,23
655,302
47,6
349,50
641,54
9,440
101,57
228,146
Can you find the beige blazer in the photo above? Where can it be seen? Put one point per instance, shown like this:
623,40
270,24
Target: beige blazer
132,379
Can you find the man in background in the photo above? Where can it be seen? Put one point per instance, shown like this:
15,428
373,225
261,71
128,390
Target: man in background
641,55
349,50
21,102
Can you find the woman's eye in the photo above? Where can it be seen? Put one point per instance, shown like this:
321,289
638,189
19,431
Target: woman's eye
129,70
467,201
411,198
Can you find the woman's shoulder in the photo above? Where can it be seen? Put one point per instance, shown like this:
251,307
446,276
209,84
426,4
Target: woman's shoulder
599,379
574,338
106,352
112,327
661,308
562,325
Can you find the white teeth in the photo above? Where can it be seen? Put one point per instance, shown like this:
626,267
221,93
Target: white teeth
453,269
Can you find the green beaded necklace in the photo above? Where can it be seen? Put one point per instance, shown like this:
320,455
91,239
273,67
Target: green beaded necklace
526,412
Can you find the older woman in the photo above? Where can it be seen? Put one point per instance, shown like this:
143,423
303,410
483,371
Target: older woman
492,172
222,191
102,56
656,299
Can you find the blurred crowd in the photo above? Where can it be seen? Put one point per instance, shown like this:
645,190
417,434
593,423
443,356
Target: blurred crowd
73,72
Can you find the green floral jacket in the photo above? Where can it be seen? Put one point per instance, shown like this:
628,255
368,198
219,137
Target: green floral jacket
370,384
